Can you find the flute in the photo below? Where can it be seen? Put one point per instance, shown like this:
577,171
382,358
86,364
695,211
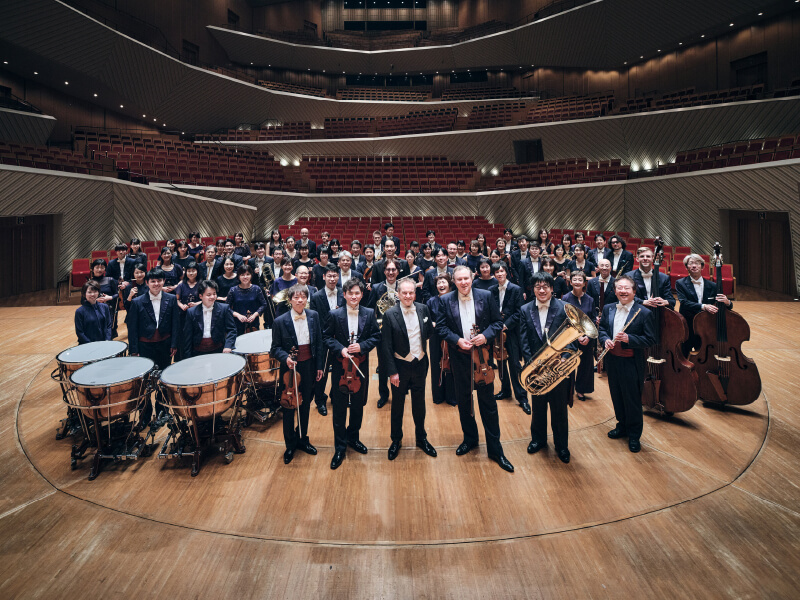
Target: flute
605,350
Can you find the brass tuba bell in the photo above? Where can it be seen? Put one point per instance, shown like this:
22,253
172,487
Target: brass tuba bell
545,370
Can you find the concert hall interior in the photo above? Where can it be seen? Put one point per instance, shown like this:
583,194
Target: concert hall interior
248,243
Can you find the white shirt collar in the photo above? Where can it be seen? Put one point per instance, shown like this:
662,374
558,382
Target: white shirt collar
621,306
696,281
646,275
154,298
540,305
209,309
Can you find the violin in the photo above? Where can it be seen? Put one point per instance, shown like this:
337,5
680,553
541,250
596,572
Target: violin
670,383
499,351
482,373
445,361
350,382
726,376
290,396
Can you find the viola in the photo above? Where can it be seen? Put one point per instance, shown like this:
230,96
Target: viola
445,362
350,382
290,396
670,383
726,375
482,372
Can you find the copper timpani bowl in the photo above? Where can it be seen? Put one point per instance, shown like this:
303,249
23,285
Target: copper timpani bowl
262,369
112,388
202,387
72,359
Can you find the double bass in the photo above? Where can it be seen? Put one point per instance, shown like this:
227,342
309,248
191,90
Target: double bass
670,384
726,375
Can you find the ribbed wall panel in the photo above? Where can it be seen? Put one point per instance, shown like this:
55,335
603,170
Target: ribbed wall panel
96,213
25,127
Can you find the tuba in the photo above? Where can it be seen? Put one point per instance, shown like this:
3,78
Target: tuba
546,370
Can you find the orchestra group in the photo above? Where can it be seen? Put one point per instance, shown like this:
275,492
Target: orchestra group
458,312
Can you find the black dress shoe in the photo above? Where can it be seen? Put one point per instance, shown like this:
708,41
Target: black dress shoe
358,447
501,396
534,447
426,447
617,433
288,456
581,397
525,407
393,450
563,456
463,448
438,401
382,402
503,462
634,445
322,409
337,459
307,448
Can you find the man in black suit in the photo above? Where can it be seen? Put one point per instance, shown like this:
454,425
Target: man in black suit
261,263
211,267
230,251
508,236
509,299
625,362
389,251
312,245
379,290
323,302
209,326
621,259
300,330
522,260
407,327
345,268
457,313
429,282
154,328
601,286
453,260
366,264
538,317
697,294
648,291
120,269
388,234
356,323
431,235
600,250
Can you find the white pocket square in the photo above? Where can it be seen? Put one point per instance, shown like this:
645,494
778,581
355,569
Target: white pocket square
425,320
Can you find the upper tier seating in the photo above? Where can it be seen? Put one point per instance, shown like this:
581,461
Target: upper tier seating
287,131
383,94
177,161
357,40
567,108
348,127
688,97
452,35
421,121
746,152
42,157
372,174
294,89
494,115
479,92
565,171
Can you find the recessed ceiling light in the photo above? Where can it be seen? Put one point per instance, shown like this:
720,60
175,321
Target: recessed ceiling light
36,72
680,43
5,62
760,14
641,56
730,25
121,106
659,50
66,83
95,95
625,63
163,124
251,63
702,36
143,116
154,118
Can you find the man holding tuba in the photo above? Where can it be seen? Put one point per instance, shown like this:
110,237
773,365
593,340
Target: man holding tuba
543,315
384,296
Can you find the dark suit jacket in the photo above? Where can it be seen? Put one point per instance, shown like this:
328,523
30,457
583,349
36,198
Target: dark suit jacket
688,298
202,270
429,283
641,333
531,334
592,255
626,259
396,243
93,324
588,267
319,303
593,290
458,263
509,312
448,317
284,338
337,335
223,327
142,320
118,271
377,271
353,273
663,289
267,261
394,334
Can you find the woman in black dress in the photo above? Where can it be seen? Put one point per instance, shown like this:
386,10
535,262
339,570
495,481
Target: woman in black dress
187,296
303,260
559,286
246,301
580,263
227,280
335,246
424,259
484,248
484,279
93,318
182,258
560,261
284,282
137,288
275,241
241,247
172,272
584,378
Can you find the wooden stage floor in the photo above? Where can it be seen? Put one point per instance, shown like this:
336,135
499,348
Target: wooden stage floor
710,507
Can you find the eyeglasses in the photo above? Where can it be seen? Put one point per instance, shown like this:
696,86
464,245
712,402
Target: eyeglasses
542,286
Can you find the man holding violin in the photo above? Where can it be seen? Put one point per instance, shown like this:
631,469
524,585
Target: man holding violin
298,330
407,327
351,332
458,313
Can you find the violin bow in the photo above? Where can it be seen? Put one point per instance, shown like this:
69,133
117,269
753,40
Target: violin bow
296,393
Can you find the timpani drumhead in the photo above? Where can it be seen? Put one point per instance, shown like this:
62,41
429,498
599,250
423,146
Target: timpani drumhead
256,342
112,371
199,370
91,352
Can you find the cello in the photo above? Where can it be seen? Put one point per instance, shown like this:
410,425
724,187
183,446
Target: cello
726,376
670,384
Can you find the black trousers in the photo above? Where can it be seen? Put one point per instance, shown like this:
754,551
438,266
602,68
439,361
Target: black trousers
319,388
308,376
626,382
510,370
584,376
383,378
342,432
693,341
443,391
159,353
412,377
462,380
557,399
